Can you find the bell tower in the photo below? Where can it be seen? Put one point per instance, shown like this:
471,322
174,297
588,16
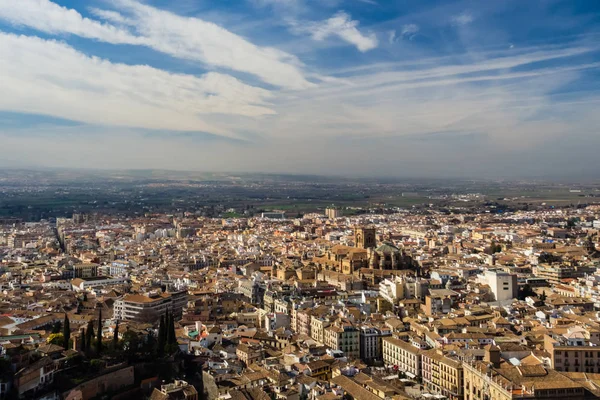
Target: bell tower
364,238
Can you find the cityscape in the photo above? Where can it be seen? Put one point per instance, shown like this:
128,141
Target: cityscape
299,200
453,295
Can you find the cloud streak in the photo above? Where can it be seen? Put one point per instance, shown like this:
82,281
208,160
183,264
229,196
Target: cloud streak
51,78
342,26
181,37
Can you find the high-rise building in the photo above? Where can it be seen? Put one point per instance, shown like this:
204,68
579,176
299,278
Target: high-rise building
333,212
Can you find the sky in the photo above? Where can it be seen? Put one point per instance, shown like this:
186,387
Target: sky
404,88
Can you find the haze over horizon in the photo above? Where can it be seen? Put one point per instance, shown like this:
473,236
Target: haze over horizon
334,87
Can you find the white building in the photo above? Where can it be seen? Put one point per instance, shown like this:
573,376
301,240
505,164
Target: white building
502,284
149,307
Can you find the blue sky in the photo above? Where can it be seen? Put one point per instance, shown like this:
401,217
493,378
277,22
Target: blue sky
354,87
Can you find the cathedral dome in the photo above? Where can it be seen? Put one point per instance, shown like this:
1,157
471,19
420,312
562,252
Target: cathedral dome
386,248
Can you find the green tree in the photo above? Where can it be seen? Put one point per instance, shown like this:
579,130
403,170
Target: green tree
67,331
99,338
89,337
168,332
162,332
172,336
116,336
83,343
55,338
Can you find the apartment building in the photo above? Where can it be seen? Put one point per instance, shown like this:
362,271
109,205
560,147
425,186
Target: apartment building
573,352
402,356
442,374
317,328
344,336
149,307
371,342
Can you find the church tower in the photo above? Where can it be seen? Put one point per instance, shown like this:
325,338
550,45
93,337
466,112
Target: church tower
364,238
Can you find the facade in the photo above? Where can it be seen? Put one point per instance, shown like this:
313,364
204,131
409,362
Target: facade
507,382
392,290
149,308
386,256
249,353
371,342
85,270
317,328
364,238
442,375
343,336
402,356
573,352
333,212
503,285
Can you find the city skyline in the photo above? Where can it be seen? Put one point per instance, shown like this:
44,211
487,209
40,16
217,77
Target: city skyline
336,87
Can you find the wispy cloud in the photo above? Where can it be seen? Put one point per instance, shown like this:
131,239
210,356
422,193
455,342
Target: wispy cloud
410,30
342,26
181,37
463,18
392,38
51,78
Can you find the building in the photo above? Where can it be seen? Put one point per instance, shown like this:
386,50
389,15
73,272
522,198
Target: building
317,328
333,212
149,307
392,290
386,256
273,215
179,390
364,238
371,342
485,380
249,353
441,374
402,356
344,336
573,352
85,270
502,284
97,282
35,377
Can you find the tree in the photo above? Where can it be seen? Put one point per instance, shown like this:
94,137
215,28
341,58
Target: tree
99,338
543,296
116,336
162,332
83,343
89,337
67,331
55,338
172,336
168,332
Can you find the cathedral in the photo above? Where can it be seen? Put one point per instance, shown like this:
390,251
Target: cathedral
385,256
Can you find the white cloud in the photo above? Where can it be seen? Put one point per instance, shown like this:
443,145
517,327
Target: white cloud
49,17
182,37
409,30
51,78
111,16
463,18
342,26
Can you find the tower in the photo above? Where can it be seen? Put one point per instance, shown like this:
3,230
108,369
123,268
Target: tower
364,238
